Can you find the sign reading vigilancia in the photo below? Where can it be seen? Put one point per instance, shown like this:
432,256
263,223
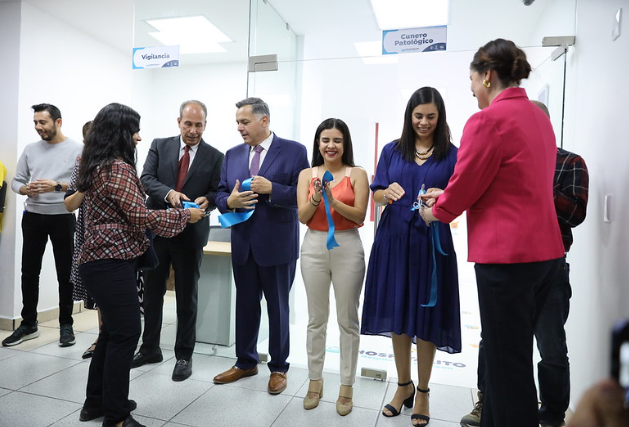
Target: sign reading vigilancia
155,57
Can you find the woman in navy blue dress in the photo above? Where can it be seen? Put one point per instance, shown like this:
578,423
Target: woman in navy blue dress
411,290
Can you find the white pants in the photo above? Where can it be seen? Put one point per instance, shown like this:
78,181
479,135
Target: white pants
344,267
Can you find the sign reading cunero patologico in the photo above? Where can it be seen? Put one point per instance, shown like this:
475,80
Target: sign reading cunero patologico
412,40
155,57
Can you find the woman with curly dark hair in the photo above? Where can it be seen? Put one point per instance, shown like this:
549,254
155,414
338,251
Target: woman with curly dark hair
116,220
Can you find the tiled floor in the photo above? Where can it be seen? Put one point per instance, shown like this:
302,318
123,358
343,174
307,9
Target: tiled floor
42,384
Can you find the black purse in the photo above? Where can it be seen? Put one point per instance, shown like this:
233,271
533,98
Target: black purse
148,260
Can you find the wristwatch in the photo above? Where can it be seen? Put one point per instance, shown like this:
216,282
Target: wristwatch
58,187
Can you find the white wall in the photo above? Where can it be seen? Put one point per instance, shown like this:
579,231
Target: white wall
63,66
79,74
597,128
218,86
10,14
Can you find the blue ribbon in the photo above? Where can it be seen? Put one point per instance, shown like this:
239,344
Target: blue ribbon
436,245
331,241
233,218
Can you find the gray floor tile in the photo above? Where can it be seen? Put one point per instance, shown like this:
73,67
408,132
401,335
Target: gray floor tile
6,352
449,403
161,398
75,375
16,410
231,406
28,367
323,415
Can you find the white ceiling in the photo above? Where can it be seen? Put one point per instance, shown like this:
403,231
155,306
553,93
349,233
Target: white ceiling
333,23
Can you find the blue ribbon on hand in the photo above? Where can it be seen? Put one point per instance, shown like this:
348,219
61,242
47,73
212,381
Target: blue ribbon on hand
233,218
331,241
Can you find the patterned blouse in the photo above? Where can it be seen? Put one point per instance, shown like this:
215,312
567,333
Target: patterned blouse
116,216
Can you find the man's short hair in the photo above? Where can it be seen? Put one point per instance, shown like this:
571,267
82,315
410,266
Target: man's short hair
542,106
192,101
258,106
86,128
52,110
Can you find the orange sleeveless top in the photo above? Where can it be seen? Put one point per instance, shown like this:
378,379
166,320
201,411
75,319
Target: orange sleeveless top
343,192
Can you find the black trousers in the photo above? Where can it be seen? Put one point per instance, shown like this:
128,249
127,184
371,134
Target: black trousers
36,228
113,285
510,297
186,257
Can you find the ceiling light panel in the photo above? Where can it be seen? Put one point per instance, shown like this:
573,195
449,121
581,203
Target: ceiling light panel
397,14
193,34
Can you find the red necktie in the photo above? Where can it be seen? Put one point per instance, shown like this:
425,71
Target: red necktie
184,164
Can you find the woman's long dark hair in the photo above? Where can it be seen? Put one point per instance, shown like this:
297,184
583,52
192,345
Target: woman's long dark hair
348,151
442,136
109,138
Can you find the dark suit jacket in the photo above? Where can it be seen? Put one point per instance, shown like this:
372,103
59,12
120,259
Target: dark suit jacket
159,176
272,232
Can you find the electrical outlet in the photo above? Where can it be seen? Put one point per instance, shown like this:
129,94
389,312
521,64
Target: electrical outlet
263,357
377,374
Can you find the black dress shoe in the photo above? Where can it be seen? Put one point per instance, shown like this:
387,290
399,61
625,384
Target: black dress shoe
183,370
140,359
129,422
88,414
89,352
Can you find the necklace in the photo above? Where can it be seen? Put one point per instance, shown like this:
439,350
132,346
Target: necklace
424,155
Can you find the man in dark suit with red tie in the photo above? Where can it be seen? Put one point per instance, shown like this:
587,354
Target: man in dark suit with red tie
265,247
178,169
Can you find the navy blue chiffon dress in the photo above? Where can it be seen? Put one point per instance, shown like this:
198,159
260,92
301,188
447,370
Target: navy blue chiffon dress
400,268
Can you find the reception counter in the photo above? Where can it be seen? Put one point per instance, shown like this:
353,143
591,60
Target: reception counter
217,296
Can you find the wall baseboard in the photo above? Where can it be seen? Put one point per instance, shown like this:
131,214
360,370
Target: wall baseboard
42,316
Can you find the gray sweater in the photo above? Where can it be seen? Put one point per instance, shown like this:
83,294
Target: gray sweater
41,160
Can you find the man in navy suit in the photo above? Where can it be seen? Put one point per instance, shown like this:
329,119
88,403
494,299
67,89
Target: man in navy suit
265,248
177,169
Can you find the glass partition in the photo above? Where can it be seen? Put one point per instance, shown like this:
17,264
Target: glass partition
370,94
271,35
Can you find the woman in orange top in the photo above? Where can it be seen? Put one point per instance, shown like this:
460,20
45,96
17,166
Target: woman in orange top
343,266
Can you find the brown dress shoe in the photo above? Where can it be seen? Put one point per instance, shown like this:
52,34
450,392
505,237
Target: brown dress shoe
277,382
234,374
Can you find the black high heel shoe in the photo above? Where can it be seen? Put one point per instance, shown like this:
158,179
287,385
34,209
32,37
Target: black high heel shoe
420,416
408,402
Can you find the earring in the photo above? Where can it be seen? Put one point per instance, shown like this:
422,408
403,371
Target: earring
486,84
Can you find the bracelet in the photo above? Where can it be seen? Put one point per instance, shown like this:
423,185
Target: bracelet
313,202
385,199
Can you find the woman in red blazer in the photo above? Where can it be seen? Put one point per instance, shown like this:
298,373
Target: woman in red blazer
504,179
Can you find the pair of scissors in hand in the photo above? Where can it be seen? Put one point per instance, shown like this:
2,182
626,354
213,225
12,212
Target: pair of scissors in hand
419,202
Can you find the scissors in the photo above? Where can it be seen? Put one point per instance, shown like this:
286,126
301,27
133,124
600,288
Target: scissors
419,202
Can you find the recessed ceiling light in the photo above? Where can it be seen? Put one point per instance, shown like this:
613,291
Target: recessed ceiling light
397,14
193,34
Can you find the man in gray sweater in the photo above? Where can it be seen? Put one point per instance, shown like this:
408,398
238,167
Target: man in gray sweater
42,174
